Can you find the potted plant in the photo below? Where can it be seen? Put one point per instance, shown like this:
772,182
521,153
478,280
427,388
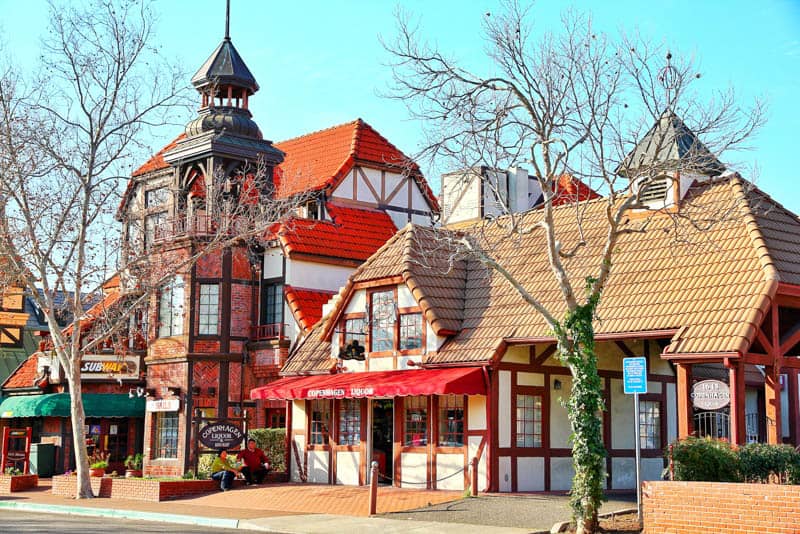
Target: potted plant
133,466
98,463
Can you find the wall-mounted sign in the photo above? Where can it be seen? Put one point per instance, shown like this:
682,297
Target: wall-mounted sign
221,435
163,405
710,395
109,367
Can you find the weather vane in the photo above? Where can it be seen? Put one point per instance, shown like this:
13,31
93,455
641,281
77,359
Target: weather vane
669,75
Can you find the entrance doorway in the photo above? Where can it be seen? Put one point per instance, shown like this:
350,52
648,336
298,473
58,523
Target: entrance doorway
383,437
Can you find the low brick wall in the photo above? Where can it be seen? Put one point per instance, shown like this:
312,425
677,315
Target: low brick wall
12,483
140,489
691,507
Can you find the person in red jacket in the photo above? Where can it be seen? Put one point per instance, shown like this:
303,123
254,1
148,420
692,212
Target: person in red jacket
256,463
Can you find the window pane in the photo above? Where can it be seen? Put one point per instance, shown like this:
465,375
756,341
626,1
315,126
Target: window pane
272,304
650,424
320,422
170,309
383,319
155,197
167,435
451,420
411,331
416,421
350,422
354,330
529,421
209,309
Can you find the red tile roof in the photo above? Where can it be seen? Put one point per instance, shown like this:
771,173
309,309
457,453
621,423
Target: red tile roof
570,189
354,233
323,158
157,161
306,304
24,375
111,297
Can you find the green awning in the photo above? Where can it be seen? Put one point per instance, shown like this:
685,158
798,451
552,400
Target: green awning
57,405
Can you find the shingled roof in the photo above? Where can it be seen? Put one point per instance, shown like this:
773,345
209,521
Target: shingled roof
710,287
306,304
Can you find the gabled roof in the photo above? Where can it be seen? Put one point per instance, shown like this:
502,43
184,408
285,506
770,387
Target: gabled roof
710,287
225,67
670,145
306,304
571,189
323,158
353,234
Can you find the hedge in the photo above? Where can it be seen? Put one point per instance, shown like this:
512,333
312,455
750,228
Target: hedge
712,460
273,442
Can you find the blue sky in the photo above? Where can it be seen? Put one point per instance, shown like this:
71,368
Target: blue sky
320,63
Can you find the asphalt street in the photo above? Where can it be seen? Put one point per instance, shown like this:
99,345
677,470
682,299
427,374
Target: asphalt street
24,522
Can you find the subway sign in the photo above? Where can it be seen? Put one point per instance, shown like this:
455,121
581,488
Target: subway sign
109,367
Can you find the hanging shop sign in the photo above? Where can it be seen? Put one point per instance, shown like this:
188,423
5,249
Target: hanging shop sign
710,395
109,367
221,435
163,405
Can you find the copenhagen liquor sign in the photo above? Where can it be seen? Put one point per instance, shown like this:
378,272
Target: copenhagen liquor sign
340,393
221,435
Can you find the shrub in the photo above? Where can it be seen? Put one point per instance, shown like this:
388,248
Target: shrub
705,459
204,466
273,442
760,462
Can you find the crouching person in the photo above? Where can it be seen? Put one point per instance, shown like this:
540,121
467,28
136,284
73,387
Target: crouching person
223,471
255,461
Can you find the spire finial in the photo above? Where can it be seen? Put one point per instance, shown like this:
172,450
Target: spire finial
227,20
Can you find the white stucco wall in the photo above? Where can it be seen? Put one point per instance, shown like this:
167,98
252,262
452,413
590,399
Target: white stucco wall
273,263
530,474
311,275
672,412
561,474
476,412
318,466
345,187
622,417
413,470
559,423
446,465
297,468
623,471
504,409
347,466
473,444
504,473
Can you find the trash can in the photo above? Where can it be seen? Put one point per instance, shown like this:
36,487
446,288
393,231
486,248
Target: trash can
43,459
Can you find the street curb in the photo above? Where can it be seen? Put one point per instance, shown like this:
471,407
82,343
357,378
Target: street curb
213,522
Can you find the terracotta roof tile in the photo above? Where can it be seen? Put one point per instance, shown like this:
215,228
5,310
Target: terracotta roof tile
712,286
306,304
24,375
353,234
157,162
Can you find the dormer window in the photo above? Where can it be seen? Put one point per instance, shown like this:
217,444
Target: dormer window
310,210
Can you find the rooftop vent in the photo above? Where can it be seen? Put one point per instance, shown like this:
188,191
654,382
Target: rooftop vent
655,191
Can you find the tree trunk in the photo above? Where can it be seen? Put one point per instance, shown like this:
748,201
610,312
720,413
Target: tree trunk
84,484
585,404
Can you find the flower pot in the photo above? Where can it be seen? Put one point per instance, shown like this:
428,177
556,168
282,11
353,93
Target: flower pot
97,471
133,473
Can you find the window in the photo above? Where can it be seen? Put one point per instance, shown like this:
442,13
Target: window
209,310
529,420
272,303
354,330
383,318
416,421
153,224
350,422
650,424
118,439
451,420
320,421
410,331
170,309
166,435
155,197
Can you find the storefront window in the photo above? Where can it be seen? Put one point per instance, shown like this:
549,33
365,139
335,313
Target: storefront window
383,321
529,420
410,331
416,421
650,424
354,330
350,422
166,435
451,420
320,421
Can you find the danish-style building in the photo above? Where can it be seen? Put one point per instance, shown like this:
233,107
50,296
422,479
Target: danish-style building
456,366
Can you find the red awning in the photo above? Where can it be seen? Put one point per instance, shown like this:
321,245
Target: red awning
456,380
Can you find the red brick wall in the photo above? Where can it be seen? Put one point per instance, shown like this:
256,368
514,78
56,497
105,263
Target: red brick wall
691,507
10,484
209,266
139,489
158,376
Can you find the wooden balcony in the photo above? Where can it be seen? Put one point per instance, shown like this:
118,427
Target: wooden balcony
268,332
196,226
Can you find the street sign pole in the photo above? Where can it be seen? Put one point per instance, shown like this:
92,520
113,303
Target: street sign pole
638,439
634,382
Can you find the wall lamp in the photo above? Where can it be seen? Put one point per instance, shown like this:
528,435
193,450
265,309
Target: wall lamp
556,384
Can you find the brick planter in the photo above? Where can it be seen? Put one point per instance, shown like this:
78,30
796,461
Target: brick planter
689,507
140,489
13,483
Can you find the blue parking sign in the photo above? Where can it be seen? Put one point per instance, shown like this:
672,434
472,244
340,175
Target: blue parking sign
634,375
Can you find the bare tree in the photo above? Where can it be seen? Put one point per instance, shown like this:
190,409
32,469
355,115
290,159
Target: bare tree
67,141
572,103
